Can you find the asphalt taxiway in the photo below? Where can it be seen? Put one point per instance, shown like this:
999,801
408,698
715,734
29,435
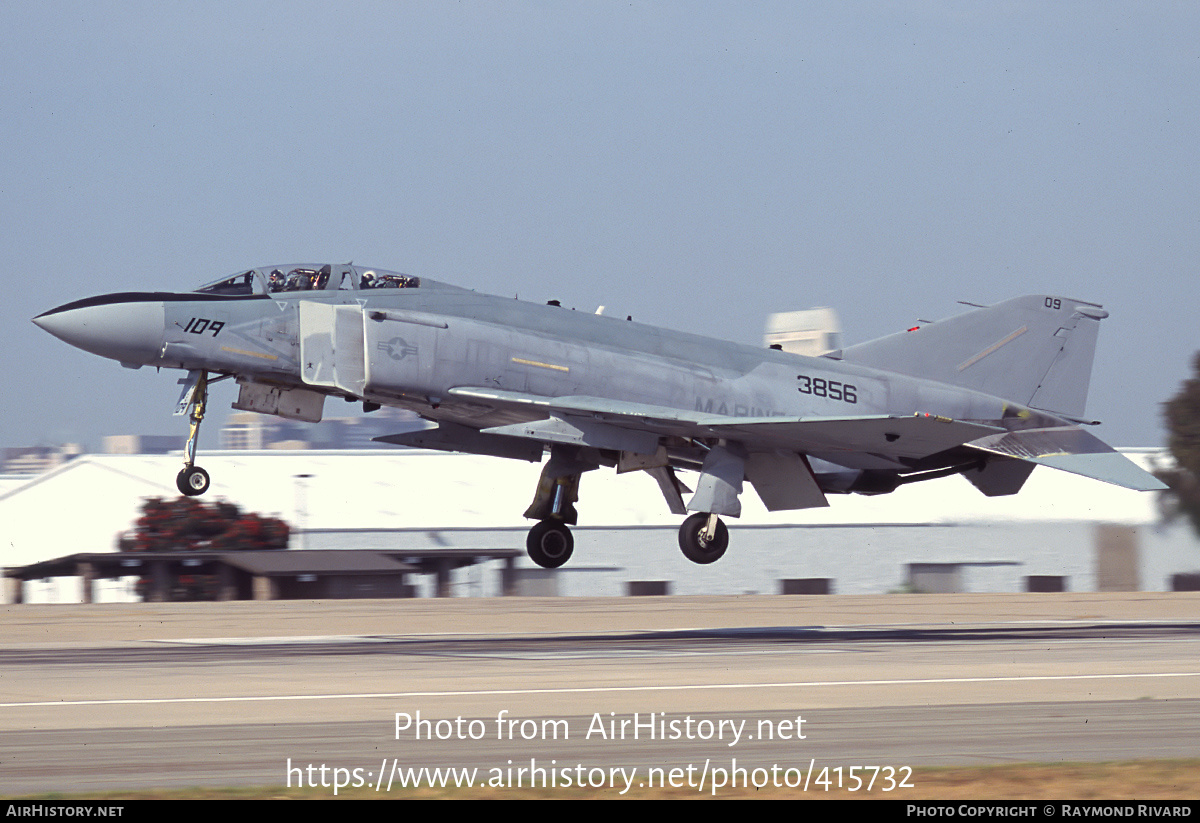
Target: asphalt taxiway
146,695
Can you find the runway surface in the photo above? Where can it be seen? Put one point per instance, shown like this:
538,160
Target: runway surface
619,692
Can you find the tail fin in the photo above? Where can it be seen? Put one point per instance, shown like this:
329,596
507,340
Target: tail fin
1036,350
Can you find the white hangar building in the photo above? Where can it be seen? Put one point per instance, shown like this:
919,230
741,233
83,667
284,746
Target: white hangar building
409,499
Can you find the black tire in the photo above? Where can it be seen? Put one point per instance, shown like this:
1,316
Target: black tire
550,544
191,481
693,545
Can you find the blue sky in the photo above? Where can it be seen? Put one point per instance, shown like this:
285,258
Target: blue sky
697,165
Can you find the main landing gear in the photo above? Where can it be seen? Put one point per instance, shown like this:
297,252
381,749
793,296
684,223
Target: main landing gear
193,480
703,538
550,544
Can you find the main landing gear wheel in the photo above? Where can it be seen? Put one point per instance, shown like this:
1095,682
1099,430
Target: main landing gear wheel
550,544
693,543
192,480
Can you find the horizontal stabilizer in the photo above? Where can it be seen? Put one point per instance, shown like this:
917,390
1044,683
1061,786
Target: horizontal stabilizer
1073,450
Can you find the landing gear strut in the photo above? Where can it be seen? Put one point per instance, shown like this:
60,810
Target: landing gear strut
703,538
550,544
193,480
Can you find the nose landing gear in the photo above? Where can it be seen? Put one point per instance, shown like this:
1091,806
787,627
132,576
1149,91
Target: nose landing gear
193,480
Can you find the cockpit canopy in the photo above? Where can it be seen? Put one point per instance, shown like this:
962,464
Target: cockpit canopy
305,277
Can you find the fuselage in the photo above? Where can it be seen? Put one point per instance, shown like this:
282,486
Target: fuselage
987,394
410,343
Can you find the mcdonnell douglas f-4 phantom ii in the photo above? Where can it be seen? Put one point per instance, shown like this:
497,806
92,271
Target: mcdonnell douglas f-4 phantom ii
988,394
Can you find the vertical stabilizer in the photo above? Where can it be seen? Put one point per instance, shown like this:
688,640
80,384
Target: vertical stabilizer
1036,350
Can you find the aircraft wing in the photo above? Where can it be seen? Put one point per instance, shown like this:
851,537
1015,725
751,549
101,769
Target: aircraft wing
887,436
623,425
661,416
872,441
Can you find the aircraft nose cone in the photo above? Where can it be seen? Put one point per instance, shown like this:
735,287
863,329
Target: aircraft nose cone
130,331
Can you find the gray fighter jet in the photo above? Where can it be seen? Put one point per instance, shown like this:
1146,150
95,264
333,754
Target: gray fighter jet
988,394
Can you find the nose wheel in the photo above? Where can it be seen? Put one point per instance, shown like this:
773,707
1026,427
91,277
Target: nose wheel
193,480
703,538
550,544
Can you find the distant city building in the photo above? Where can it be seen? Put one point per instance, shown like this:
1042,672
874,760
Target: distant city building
143,443
248,430
244,431
811,332
37,459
